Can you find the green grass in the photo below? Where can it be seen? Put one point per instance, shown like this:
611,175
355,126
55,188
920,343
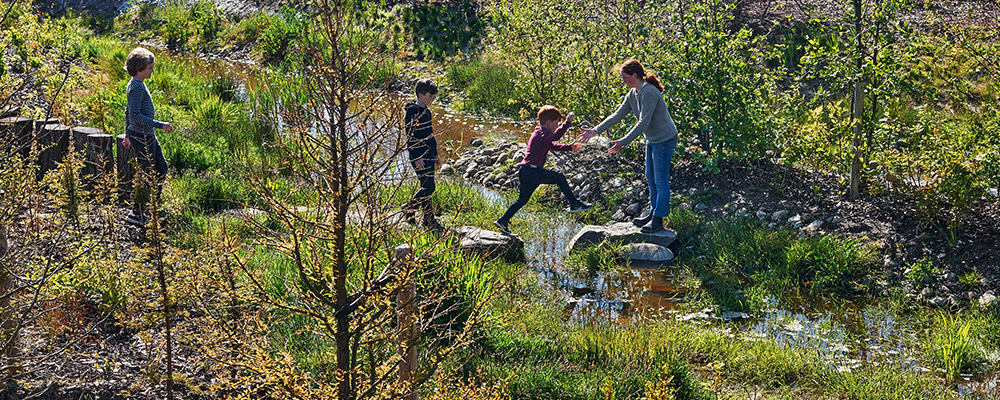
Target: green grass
960,343
730,254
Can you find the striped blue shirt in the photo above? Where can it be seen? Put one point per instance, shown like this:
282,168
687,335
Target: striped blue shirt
139,111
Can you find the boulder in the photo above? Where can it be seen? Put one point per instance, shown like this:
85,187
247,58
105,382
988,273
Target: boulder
446,169
647,252
476,142
987,300
633,209
490,244
814,226
779,215
618,232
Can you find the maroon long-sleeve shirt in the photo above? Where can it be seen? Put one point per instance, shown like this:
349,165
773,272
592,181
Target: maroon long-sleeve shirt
542,140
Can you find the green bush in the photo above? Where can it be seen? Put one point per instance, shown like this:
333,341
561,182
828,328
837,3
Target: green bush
277,40
487,86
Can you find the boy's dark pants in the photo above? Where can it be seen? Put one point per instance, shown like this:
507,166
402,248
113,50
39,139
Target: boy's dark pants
529,178
422,198
151,171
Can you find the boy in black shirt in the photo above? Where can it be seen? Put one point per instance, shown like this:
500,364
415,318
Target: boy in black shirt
422,148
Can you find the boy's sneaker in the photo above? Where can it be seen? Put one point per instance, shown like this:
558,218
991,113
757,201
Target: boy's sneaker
503,225
409,213
137,220
581,206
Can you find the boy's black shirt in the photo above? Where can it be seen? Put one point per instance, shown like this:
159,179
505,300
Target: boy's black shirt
419,132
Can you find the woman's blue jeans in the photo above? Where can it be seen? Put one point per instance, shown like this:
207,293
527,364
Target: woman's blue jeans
658,159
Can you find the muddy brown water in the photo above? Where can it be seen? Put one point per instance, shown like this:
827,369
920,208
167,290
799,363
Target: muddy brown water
847,334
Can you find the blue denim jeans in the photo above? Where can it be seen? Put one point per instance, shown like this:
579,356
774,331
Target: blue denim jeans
658,159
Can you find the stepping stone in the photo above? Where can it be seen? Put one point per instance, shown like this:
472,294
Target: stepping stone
490,244
647,252
618,232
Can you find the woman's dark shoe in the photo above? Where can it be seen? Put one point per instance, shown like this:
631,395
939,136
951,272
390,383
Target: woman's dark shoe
655,225
640,221
581,206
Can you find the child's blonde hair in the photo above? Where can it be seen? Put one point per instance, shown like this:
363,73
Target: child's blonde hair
138,60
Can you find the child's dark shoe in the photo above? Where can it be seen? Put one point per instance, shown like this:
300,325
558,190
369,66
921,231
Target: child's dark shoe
581,206
503,225
137,220
409,213
655,225
433,224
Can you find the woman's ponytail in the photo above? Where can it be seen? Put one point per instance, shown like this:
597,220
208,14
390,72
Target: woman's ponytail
651,79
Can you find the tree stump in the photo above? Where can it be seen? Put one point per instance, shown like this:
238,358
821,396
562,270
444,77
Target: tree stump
15,132
126,171
53,144
10,112
97,151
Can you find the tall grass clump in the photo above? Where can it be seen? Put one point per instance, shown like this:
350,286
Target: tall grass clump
744,253
953,344
488,86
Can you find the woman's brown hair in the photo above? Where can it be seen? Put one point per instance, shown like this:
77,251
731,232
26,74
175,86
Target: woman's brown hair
632,66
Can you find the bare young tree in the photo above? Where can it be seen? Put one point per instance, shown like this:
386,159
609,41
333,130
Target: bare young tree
327,261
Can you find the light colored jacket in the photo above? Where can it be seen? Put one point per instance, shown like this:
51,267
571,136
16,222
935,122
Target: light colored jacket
648,106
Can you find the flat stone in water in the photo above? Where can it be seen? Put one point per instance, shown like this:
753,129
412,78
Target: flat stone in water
490,244
618,232
647,252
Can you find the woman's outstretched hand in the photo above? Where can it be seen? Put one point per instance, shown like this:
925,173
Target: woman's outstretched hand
616,145
586,135
126,143
577,146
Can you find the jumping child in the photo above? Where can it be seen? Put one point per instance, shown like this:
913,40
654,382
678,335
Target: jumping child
532,172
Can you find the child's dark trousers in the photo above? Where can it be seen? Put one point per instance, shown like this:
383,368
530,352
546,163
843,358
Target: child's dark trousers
529,178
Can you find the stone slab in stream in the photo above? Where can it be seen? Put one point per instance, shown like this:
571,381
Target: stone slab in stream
647,252
618,233
490,244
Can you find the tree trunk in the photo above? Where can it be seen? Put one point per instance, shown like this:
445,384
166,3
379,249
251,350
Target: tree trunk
859,100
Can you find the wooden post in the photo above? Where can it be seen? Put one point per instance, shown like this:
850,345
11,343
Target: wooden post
53,144
859,101
125,170
10,112
96,147
16,133
407,330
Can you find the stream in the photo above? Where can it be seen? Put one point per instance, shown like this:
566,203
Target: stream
846,334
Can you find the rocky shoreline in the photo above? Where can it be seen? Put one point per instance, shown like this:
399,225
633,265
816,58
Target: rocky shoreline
780,197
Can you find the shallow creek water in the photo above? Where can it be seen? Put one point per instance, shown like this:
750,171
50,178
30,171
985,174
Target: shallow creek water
846,334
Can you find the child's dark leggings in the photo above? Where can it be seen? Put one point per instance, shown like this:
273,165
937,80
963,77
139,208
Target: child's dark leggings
151,172
529,179
422,198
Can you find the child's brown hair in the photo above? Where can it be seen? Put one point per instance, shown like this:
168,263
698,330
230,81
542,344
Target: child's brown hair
548,113
425,86
138,60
